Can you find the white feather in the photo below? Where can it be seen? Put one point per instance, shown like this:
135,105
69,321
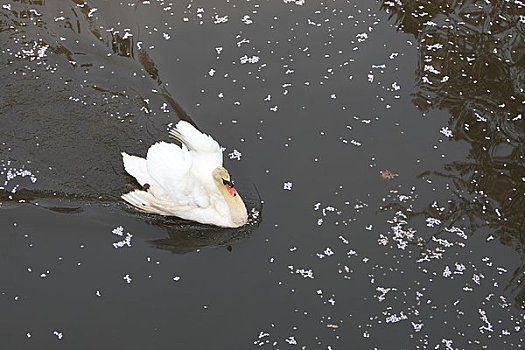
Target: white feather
136,167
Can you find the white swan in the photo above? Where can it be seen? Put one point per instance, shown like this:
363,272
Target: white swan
188,181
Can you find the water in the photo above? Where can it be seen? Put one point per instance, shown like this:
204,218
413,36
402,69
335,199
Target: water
383,139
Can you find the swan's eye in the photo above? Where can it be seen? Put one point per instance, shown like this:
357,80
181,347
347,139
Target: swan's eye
228,183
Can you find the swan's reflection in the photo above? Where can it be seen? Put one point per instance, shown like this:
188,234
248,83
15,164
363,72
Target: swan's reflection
185,236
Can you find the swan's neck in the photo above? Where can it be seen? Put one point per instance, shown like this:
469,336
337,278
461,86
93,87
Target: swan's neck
238,212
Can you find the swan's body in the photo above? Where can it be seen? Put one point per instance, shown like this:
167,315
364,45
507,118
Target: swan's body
186,181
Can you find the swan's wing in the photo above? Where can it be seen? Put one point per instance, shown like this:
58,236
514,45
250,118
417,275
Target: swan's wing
136,167
193,139
169,165
206,153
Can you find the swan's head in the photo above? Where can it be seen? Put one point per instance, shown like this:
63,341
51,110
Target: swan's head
223,180
237,209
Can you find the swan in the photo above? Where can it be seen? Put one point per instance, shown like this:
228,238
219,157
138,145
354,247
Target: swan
186,181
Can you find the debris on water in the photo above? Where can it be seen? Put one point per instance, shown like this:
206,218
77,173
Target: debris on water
58,334
245,59
446,131
387,174
126,242
246,19
305,273
220,19
291,340
417,326
235,154
254,216
12,173
296,2
394,318
118,231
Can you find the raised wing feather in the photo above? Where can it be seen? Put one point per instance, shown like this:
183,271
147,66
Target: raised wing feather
193,139
205,152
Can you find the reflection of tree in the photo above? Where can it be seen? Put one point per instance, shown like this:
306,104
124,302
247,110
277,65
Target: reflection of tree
34,2
122,45
19,19
472,63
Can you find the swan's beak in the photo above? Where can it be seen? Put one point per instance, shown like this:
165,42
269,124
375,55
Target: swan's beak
229,184
232,191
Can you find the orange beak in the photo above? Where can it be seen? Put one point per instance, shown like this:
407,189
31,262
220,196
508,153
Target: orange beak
232,190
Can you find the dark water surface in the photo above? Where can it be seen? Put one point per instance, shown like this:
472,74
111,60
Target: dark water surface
385,140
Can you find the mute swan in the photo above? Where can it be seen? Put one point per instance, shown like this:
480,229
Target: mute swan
186,181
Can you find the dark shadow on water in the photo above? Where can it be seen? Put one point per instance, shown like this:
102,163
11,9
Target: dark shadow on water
185,236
